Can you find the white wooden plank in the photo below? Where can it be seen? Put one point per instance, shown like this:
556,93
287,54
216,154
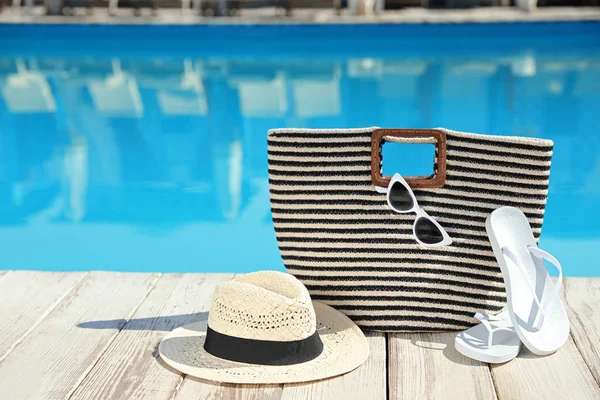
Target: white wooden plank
194,389
130,368
369,381
427,366
562,375
583,305
51,360
26,297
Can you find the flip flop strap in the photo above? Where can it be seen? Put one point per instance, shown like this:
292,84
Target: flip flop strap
493,324
544,304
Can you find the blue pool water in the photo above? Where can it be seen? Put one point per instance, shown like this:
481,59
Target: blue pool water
143,148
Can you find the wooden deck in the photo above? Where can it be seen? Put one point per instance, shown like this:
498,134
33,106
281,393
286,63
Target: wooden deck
94,336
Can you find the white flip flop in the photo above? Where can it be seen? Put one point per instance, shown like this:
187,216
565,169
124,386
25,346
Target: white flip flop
492,341
535,308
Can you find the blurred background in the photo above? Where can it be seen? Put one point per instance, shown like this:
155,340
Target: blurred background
277,8
133,133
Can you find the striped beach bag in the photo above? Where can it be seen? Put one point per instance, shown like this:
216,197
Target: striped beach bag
337,234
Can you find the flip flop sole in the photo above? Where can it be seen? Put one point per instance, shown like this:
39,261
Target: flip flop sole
471,343
508,227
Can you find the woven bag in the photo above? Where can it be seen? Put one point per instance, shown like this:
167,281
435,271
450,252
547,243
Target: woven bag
339,237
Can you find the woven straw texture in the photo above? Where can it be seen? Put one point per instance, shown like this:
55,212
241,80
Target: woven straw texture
344,345
338,236
251,305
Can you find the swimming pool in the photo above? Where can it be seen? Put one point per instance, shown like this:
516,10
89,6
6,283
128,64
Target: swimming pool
143,148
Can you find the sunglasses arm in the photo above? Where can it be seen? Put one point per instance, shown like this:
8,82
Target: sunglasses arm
380,189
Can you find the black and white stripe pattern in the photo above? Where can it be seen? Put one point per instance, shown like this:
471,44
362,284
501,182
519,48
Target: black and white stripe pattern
338,236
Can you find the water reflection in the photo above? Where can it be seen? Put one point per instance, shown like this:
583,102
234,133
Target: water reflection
160,164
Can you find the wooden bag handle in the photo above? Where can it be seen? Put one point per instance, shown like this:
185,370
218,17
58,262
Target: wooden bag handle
437,136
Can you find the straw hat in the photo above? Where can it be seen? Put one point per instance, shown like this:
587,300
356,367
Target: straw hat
263,328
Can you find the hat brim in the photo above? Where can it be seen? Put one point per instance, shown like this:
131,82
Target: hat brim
344,349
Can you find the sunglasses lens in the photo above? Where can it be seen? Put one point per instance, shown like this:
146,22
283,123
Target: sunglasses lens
427,231
400,197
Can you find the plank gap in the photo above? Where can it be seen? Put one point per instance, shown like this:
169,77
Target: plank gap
387,366
48,311
494,386
58,352
176,388
580,296
368,381
123,371
425,365
113,338
195,388
561,375
582,354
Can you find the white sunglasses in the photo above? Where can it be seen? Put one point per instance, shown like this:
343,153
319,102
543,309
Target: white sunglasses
401,199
